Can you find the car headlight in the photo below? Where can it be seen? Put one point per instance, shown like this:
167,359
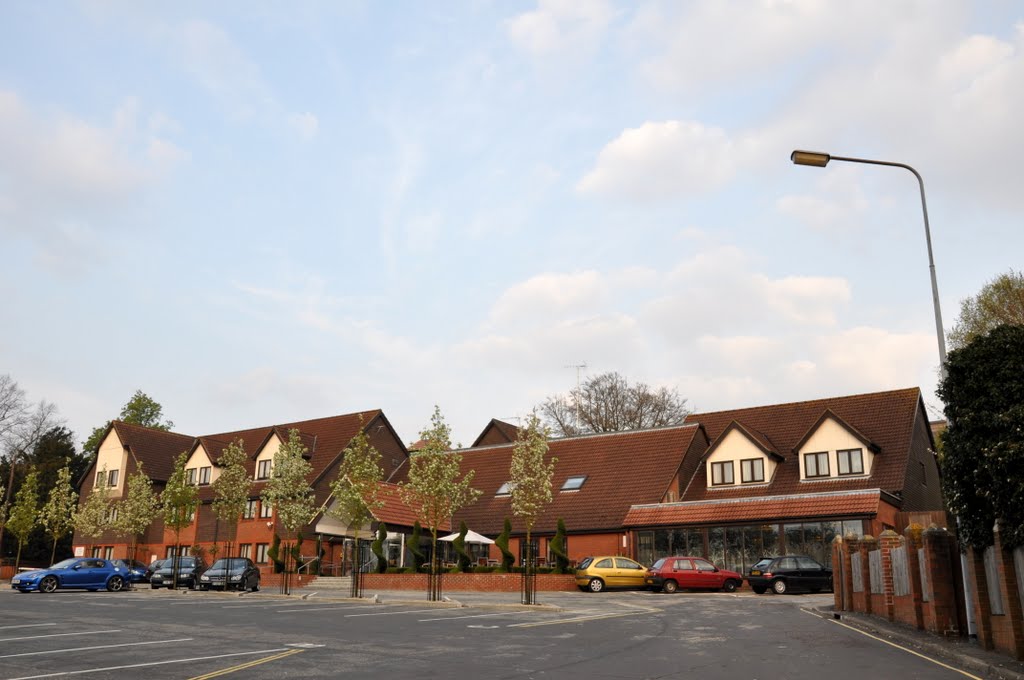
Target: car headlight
204,577
236,577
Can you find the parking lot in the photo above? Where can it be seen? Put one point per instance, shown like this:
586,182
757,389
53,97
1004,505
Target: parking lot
161,634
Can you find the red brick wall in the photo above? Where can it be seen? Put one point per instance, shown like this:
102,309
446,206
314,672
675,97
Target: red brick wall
1003,632
501,583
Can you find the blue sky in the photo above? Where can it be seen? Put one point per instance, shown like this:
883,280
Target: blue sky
260,213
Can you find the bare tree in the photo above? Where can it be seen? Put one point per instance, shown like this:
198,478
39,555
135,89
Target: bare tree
609,403
1000,302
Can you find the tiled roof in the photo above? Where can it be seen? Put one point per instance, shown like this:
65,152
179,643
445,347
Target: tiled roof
883,418
155,449
496,432
397,513
622,468
759,509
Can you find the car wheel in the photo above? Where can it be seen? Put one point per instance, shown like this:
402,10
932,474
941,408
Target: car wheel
730,586
779,586
48,584
115,584
815,591
256,587
760,590
669,586
153,587
596,585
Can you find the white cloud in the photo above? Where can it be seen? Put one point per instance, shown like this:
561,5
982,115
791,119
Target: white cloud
573,27
306,125
545,297
662,160
224,70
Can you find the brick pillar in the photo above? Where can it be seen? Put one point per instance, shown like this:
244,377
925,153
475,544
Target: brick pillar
851,550
982,608
942,566
912,536
1011,597
867,544
838,582
889,540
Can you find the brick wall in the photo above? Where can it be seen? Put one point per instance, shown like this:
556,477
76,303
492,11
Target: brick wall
482,583
1003,632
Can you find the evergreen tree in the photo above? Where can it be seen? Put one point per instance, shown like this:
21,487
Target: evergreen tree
507,558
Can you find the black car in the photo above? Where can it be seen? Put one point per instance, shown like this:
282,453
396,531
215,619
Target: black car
231,572
189,569
789,572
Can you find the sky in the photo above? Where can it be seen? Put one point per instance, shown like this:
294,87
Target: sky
259,213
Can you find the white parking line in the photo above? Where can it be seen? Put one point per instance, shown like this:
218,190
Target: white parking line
36,637
408,611
467,616
151,663
85,649
28,625
328,609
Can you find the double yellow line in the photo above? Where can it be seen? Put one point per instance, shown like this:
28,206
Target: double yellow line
250,664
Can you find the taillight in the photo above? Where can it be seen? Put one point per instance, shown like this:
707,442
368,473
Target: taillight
767,574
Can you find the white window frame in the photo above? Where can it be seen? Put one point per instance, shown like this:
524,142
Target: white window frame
112,476
266,510
204,475
261,553
250,509
574,483
190,476
264,468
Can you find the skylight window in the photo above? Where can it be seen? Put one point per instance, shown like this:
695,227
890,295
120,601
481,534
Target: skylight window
574,483
504,490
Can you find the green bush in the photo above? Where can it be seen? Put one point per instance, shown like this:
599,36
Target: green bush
557,548
479,569
507,558
377,548
274,554
396,570
415,546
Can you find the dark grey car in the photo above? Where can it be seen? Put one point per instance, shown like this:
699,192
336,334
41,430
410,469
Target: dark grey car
238,573
789,572
189,569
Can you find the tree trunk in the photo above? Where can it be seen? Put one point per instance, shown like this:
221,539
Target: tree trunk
53,551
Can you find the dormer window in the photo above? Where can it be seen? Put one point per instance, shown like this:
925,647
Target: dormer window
574,483
190,476
752,470
263,468
850,461
204,476
816,464
721,473
504,490
101,478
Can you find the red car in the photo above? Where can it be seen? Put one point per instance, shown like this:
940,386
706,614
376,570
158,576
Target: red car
696,573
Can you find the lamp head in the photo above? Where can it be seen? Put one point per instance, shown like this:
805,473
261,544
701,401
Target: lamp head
814,158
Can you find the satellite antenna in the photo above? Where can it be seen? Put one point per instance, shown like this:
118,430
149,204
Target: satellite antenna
578,367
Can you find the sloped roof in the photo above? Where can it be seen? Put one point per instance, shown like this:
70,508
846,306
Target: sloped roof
757,509
829,415
883,418
155,449
622,468
757,438
496,432
396,512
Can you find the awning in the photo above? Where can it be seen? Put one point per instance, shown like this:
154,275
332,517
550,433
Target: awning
471,537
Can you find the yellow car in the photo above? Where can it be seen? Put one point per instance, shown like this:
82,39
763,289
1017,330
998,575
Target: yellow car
597,573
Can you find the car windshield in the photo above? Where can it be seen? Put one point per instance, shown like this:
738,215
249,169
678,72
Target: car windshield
64,564
657,565
183,563
761,564
236,563
585,563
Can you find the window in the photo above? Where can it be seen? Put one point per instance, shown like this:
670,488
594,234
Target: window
263,469
816,464
108,552
684,565
192,515
204,476
606,563
261,553
190,476
504,490
245,550
703,565
266,510
850,462
112,478
574,483
96,551
250,509
111,514
752,470
101,478
721,473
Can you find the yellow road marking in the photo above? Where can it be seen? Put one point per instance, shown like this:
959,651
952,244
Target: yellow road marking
250,664
910,651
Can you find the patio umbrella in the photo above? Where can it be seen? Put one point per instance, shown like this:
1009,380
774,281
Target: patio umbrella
471,537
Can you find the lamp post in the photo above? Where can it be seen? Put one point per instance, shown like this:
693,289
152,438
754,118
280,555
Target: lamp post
820,160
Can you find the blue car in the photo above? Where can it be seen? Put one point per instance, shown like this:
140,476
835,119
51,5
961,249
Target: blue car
137,571
91,573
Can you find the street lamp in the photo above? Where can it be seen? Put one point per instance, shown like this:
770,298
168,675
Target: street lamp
820,160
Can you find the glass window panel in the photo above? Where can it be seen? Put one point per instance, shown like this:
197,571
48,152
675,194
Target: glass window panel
769,540
694,542
814,545
853,528
753,546
662,543
794,538
645,546
716,545
733,549
604,564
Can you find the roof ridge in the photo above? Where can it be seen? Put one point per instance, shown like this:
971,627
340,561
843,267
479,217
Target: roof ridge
760,499
589,435
916,390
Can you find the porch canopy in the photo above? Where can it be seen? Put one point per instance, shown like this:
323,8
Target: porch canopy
471,537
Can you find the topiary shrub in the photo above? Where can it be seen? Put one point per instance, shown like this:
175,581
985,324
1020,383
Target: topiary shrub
557,548
507,558
465,560
296,553
416,548
377,548
274,554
